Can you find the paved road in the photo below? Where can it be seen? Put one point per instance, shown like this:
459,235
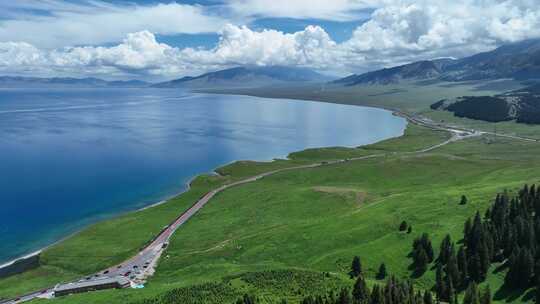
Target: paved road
141,266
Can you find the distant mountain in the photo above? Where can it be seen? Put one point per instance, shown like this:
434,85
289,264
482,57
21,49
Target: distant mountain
35,82
519,61
417,70
247,77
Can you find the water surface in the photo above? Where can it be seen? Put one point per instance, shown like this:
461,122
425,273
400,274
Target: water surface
69,157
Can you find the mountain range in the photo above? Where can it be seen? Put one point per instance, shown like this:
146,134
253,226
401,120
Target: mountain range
35,82
233,77
520,61
247,77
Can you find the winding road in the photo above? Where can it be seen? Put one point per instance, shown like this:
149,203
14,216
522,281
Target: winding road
138,268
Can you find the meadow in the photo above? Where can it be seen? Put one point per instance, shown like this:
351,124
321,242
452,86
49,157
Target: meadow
295,233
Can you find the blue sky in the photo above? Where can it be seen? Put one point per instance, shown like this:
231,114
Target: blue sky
149,39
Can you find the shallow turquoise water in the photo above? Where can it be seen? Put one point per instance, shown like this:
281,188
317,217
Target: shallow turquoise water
69,157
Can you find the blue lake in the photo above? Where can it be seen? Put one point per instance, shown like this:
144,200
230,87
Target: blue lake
70,157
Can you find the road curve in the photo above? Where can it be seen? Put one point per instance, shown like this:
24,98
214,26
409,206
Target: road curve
142,265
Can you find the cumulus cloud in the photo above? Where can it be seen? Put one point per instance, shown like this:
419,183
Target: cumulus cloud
93,23
398,31
241,46
407,29
140,54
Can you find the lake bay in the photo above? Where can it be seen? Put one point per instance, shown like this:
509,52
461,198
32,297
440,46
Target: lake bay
70,157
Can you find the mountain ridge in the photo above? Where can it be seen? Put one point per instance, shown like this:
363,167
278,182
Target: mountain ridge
87,82
246,76
520,61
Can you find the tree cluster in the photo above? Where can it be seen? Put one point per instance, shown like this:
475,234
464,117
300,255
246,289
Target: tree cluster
422,253
508,233
393,291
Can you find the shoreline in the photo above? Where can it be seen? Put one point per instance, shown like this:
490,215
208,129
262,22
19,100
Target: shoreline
408,119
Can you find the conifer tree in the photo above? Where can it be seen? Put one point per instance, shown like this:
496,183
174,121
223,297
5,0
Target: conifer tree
452,270
356,267
463,267
403,226
421,260
360,291
428,299
471,294
381,274
463,200
344,297
445,250
439,283
376,296
450,292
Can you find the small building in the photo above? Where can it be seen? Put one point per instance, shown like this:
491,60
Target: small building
91,285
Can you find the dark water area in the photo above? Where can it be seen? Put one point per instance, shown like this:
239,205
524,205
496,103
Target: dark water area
70,157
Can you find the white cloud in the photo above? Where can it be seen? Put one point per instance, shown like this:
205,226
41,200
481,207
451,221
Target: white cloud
141,55
445,27
241,46
93,23
398,31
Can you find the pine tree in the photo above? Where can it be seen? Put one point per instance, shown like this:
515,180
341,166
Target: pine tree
403,226
452,297
471,294
486,296
344,297
428,299
421,260
360,291
520,266
463,267
463,200
429,248
445,251
439,283
475,268
381,274
376,296
452,269
356,267
409,230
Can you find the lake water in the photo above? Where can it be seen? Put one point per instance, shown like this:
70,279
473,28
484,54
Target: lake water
69,157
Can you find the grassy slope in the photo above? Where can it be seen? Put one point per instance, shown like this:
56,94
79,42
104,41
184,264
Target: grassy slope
317,219
311,219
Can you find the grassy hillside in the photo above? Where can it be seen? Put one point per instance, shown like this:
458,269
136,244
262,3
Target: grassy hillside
303,227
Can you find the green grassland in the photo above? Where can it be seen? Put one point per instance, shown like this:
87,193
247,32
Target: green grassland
295,232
